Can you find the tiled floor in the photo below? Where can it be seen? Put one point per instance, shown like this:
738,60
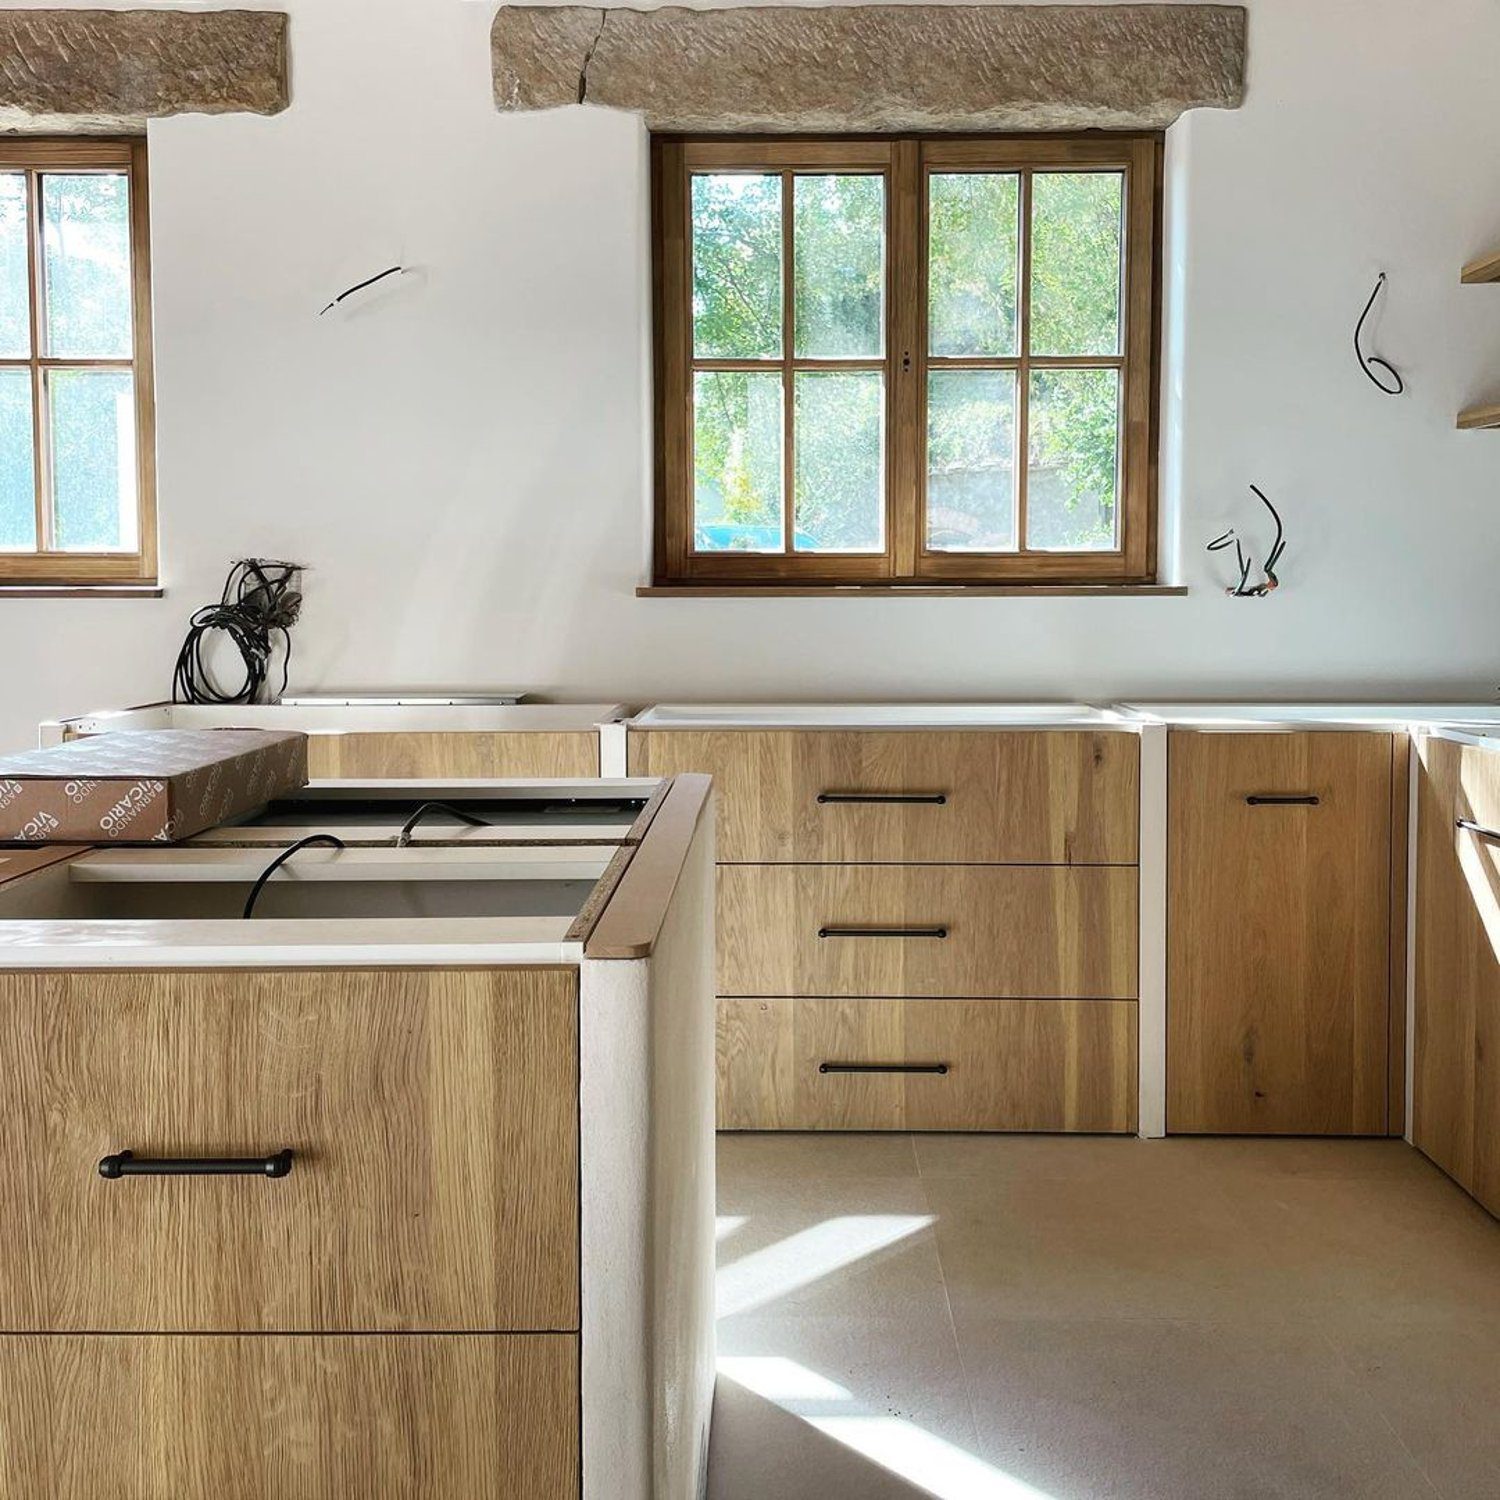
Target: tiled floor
1041,1318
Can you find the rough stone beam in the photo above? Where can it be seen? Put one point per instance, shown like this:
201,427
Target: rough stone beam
115,69
876,67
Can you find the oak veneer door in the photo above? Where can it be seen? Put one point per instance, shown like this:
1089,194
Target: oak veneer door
1456,1109
433,1113
560,753
1278,933
276,1417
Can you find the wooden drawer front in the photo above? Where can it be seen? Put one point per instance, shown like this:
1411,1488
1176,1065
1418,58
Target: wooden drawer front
1032,931
1009,1065
563,753
111,1417
433,1114
1013,796
1456,1115
1278,933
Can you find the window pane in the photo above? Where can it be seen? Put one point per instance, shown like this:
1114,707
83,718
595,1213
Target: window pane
736,266
838,226
971,460
840,460
92,423
86,264
737,461
17,488
1075,276
1073,464
973,234
15,303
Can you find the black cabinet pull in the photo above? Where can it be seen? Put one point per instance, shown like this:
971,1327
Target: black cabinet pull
939,1069
882,932
128,1164
930,799
1270,799
1468,825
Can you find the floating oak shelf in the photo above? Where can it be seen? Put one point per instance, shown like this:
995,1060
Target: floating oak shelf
1486,268
1479,416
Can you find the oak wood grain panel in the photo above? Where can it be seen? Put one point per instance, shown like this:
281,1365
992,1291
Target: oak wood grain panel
1400,883
1278,934
1023,930
1013,1065
433,1114
1456,1103
110,1417
550,753
1013,796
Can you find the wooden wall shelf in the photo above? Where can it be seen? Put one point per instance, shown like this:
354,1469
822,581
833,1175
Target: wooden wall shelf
1486,268
1477,417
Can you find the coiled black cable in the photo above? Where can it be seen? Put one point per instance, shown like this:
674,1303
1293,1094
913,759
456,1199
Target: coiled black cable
327,840
259,604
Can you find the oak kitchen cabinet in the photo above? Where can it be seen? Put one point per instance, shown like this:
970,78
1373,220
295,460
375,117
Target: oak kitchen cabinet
1456,1066
927,920
1285,858
367,741
403,1188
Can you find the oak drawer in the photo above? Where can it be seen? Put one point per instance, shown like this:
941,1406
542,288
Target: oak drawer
365,754
1061,1065
326,1417
1031,931
992,796
433,1120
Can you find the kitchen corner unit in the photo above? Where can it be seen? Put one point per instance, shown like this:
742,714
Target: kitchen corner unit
401,1186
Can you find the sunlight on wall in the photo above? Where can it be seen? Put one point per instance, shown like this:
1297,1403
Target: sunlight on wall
800,1259
726,1225
922,1458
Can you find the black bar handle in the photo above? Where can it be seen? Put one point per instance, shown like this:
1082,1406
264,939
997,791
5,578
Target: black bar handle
1468,825
1272,799
882,932
128,1164
939,1069
929,799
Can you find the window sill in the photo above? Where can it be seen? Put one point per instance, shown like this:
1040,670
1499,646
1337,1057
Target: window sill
919,590
81,591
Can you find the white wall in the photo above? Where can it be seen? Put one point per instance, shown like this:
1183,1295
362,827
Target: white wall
462,459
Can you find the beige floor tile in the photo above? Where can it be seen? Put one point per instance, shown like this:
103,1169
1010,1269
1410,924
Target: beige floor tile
1178,1411
748,1155
840,1246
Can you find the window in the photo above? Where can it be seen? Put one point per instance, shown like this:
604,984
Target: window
906,360
76,426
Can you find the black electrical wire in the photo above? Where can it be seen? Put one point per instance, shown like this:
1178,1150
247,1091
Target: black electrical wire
1371,364
326,840
359,286
1244,589
404,837
259,604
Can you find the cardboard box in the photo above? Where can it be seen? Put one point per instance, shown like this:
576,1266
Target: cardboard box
150,787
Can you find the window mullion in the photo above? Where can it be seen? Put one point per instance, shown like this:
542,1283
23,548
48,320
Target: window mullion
905,358
788,372
1023,370
39,467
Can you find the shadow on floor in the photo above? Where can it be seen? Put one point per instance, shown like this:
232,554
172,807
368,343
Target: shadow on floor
762,1452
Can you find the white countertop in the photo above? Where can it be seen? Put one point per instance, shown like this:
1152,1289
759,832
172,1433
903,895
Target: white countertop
1273,715
877,716
414,718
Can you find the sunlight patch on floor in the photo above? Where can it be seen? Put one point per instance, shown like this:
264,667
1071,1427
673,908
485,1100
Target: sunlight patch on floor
809,1255
901,1447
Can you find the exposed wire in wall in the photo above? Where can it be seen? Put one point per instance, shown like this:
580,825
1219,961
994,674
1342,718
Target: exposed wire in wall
1382,376
360,286
259,604
1244,589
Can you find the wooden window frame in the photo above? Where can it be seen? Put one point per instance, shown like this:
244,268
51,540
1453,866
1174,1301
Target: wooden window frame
906,162
45,567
